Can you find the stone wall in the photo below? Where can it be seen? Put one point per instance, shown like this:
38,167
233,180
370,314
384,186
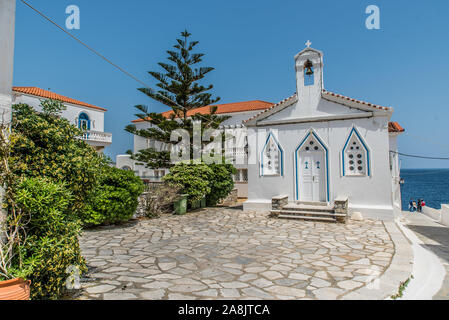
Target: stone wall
278,202
231,200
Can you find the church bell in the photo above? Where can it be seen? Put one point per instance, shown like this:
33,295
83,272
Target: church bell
309,68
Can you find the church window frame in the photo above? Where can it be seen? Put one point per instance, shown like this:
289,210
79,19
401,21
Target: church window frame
356,156
272,158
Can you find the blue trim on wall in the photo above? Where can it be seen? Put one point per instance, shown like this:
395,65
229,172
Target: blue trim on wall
327,164
368,157
280,149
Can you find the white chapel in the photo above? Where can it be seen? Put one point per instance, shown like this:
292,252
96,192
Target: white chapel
313,148
317,146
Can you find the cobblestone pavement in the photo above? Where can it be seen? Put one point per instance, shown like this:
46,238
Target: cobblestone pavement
230,254
435,237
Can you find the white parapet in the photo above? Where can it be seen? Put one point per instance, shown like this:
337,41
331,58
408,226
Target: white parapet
435,214
445,214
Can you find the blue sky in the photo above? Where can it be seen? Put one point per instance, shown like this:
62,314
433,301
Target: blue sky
251,45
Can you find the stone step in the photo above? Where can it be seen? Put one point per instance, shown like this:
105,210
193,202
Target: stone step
311,203
312,208
297,217
308,213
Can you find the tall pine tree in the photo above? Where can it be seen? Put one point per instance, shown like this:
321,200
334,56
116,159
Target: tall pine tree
180,89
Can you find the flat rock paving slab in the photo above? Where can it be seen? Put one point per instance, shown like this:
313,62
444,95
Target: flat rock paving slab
230,254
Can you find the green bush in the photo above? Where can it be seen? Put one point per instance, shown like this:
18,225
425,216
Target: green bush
213,181
193,179
114,199
220,182
52,236
46,145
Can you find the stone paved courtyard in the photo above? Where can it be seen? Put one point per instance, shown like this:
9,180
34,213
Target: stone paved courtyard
230,254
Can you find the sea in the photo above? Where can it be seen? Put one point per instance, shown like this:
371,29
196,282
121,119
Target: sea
432,185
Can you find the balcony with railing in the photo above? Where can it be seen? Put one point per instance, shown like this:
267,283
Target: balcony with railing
97,138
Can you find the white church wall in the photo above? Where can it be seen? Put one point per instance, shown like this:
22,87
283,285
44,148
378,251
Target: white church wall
324,108
370,195
395,173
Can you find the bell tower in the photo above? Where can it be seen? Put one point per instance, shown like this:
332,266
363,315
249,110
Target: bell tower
309,77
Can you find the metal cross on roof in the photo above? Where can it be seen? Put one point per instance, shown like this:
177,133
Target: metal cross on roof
308,43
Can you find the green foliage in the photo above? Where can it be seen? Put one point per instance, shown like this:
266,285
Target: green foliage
52,107
193,179
402,287
221,182
180,90
52,237
213,181
114,199
46,145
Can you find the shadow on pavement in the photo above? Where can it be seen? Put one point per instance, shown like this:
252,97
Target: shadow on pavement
436,234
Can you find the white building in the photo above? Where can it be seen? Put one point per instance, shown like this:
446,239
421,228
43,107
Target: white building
312,148
85,116
317,146
238,112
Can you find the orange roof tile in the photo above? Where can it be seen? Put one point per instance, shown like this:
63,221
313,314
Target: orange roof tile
394,127
51,95
224,108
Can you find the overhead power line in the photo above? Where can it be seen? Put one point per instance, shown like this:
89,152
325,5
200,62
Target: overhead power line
85,45
419,157
96,52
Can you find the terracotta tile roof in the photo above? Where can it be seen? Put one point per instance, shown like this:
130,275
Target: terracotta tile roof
355,100
394,127
225,108
51,95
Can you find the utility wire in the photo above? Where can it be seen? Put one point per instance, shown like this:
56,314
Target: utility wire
420,157
98,53
85,45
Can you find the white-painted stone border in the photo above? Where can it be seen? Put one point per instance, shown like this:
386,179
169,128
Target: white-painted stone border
400,270
428,271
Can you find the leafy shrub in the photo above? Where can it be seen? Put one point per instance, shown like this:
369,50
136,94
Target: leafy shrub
46,145
192,179
198,180
52,236
158,198
114,199
220,182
